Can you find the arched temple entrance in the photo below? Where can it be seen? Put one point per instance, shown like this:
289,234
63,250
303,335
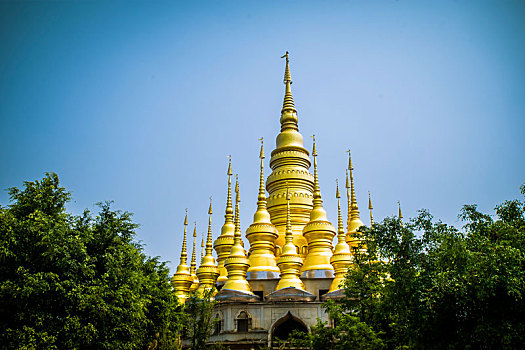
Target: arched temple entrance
286,326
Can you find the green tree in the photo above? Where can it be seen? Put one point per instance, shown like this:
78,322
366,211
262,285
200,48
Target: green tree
424,284
78,282
199,323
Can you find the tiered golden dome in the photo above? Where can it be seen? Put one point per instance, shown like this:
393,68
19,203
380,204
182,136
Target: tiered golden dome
289,262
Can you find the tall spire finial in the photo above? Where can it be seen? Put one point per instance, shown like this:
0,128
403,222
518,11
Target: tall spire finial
193,265
261,199
209,244
224,242
317,191
400,214
370,208
288,113
193,259
202,246
350,169
183,253
339,216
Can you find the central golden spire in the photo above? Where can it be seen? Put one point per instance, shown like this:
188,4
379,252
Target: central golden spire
207,271
319,233
370,208
290,162
354,222
237,263
223,244
289,262
262,235
342,258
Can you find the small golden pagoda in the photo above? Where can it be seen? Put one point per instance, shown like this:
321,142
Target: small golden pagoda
289,262
354,222
193,265
262,235
319,233
207,271
182,279
342,258
223,244
237,263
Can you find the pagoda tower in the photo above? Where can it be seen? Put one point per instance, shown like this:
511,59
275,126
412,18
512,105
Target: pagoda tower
262,235
319,232
290,162
207,271
223,244
193,265
182,279
342,257
354,221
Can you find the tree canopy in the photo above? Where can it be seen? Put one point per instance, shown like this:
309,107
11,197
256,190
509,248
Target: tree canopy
72,282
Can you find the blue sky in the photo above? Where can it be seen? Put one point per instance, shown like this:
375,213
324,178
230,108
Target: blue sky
141,102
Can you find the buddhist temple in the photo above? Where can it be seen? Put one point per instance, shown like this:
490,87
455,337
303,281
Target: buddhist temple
296,258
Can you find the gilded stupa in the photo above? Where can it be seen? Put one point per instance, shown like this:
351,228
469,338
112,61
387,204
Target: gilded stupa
292,264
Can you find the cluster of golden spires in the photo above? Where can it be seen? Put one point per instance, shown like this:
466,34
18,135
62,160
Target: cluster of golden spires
290,237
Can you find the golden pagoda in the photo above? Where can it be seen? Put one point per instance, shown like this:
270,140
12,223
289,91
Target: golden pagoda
354,222
319,233
290,162
207,271
182,279
342,258
289,262
292,266
193,265
262,235
237,263
223,244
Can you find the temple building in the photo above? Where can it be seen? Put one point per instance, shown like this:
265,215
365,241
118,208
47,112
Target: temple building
296,259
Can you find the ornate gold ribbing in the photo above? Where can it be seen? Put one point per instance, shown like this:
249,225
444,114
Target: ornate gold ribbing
208,271
262,235
354,222
289,262
223,244
182,279
370,208
319,233
342,258
237,263
193,265
290,162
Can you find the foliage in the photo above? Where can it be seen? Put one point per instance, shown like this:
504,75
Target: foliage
69,282
347,333
199,321
424,284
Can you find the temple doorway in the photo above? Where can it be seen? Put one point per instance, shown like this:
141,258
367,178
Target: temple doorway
286,326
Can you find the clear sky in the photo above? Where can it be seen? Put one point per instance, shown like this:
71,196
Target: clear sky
142,102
